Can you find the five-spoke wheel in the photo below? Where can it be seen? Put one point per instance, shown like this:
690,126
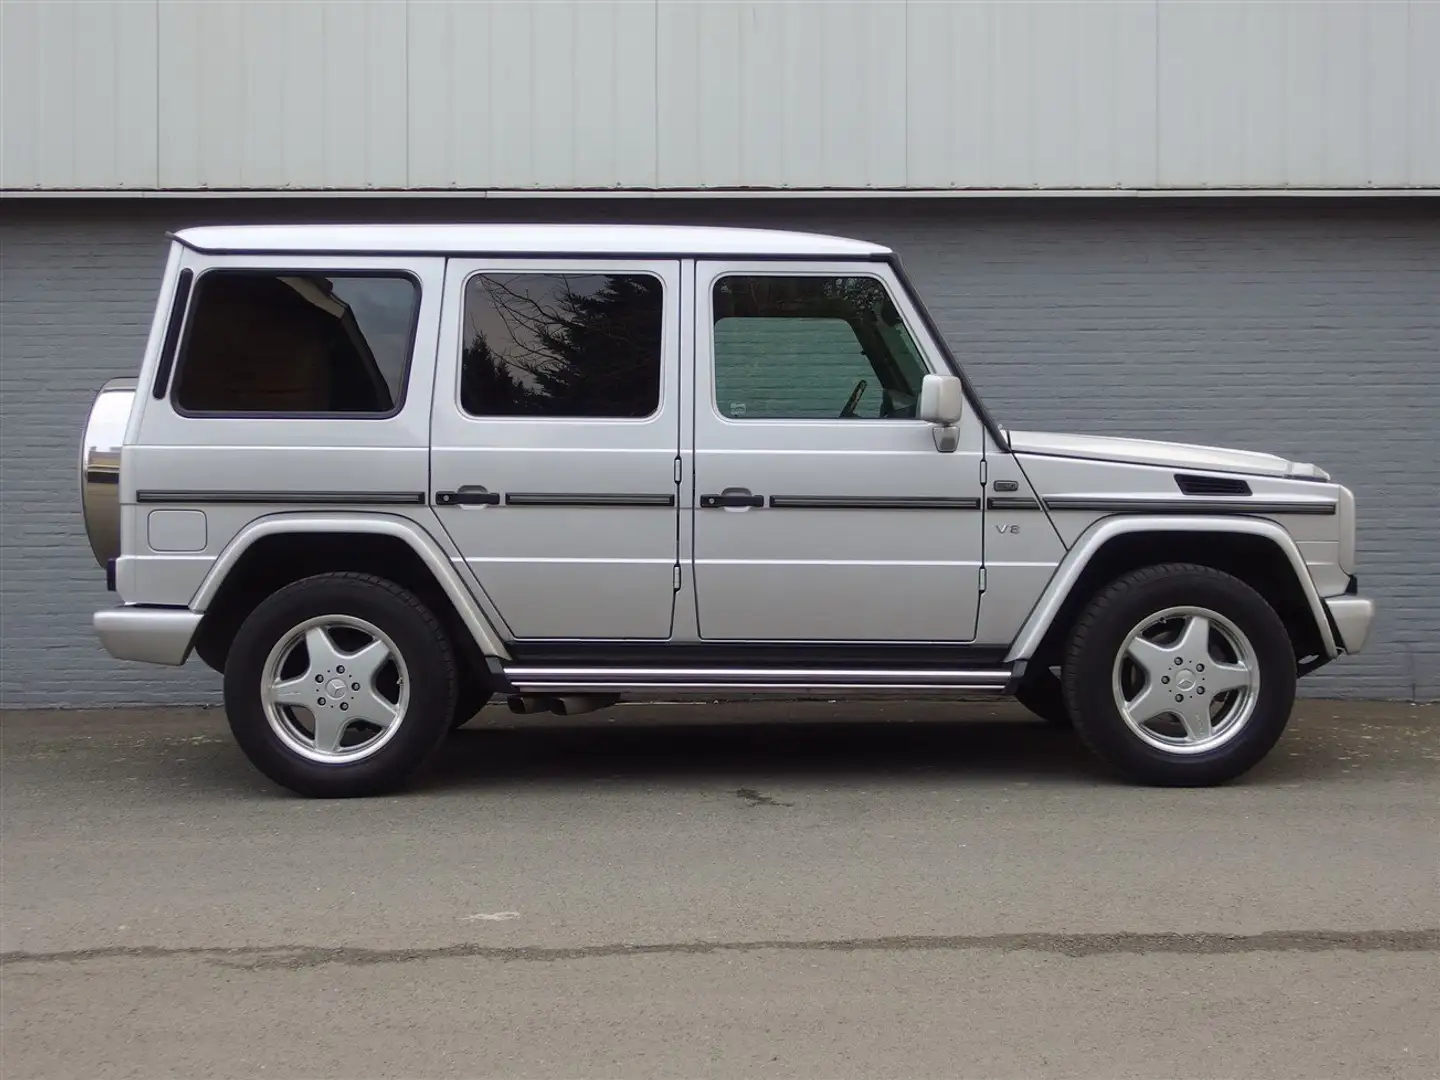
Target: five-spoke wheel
1179,674
340,684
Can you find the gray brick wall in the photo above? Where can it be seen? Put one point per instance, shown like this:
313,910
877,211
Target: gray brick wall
1311,329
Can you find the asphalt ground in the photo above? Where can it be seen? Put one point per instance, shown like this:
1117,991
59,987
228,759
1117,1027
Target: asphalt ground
816,890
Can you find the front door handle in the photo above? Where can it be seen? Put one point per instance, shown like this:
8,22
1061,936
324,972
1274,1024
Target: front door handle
731,497
469,495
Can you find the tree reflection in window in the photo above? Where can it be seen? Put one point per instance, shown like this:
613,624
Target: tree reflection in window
562,345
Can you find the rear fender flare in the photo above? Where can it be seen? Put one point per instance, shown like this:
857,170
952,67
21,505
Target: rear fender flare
419,541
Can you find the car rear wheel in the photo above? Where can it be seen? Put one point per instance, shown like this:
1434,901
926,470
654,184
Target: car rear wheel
1180,675
340,685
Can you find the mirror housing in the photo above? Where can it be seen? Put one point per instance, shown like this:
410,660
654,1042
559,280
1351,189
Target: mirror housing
942,403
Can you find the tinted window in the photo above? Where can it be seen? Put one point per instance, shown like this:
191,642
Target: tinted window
297,343
812,348
562,345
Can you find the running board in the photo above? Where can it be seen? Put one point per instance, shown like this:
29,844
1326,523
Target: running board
590,680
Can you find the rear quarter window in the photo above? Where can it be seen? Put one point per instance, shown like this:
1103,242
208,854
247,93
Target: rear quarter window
297,344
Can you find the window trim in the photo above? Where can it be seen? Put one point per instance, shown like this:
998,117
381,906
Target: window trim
605,268
713,392
182,353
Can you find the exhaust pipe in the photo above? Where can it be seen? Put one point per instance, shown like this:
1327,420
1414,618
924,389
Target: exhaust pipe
564,705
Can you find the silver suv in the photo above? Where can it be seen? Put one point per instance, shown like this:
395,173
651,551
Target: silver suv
378,475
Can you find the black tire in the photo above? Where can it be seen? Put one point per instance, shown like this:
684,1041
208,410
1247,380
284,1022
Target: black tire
1043,695
417,636
1100,633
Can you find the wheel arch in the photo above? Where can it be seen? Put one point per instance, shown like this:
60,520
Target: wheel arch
1258,551
273,551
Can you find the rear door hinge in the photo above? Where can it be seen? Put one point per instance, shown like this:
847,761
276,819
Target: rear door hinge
982,579
677,470
984,471
675,578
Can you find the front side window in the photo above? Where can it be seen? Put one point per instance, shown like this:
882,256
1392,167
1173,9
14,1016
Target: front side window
562,345
812,347
280,342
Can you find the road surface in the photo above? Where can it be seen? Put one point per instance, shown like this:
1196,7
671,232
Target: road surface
740,891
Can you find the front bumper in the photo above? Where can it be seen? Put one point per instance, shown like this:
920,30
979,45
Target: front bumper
151,635
1351,616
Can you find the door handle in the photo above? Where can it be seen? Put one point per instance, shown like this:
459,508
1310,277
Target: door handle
731,497
469,495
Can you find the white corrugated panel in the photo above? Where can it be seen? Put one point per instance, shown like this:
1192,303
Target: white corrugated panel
1273,94
532,95
77,94
679,94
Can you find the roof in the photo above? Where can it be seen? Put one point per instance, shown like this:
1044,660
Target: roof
578,240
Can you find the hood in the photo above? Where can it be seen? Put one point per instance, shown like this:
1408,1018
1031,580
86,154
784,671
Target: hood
1153,452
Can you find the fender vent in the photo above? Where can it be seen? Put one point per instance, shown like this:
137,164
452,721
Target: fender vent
1191,484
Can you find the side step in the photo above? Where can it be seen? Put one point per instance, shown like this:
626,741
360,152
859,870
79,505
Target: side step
531,680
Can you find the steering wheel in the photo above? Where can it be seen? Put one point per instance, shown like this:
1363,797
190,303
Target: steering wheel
853,401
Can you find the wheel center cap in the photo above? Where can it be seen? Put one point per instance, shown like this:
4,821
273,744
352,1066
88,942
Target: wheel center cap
336,687
1185,679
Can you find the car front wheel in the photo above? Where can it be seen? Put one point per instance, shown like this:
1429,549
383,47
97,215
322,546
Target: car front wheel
340,685
1180,675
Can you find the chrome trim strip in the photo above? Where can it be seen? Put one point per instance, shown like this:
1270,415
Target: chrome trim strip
150,635
1194,504
573,678
326,498
869,502
601,498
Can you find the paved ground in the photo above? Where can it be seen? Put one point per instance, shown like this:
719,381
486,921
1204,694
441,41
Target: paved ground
814,898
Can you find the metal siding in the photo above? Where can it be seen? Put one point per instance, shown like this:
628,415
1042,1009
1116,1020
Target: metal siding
77,94
874,94
1278,94
1312,331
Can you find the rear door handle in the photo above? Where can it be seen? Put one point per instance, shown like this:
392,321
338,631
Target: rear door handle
731,497
468,495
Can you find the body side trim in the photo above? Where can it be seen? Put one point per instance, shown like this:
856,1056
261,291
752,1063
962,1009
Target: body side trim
868,502
419,540
1193,504
1012,502
326,498
1100,533
599,498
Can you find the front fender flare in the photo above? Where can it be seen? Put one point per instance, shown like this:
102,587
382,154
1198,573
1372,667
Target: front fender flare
420,541
1106,529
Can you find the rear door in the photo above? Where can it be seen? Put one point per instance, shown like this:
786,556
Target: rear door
555,441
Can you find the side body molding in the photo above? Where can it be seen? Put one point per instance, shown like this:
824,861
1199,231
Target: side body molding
420,541
1106,529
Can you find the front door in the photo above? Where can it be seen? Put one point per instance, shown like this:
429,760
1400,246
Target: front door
555,438
823,510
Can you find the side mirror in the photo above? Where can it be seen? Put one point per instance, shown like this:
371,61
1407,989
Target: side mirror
942,403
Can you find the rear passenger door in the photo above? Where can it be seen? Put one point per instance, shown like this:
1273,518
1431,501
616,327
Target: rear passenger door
555,441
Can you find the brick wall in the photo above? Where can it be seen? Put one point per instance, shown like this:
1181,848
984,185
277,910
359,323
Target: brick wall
1311,329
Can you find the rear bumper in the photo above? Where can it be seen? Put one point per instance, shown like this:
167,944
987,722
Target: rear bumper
1351,616
150,635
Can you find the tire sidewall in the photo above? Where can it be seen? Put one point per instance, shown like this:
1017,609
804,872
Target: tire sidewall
417,636
1100,635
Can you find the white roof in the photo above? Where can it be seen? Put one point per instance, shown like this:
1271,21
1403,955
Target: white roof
635,240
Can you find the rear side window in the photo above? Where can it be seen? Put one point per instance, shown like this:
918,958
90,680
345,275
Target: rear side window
297,343
562,345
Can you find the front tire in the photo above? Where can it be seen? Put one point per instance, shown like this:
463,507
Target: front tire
340,685
1180,675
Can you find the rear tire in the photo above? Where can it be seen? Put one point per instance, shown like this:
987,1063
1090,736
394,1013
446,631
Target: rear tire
1179,675
340,685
